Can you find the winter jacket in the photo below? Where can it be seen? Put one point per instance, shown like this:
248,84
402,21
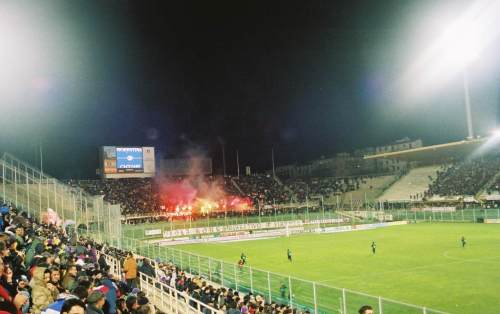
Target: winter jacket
41,295
111,294
130,268
91,309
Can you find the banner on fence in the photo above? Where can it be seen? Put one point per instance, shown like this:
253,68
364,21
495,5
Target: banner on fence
359,227
445,209
152,232
492,221
230,228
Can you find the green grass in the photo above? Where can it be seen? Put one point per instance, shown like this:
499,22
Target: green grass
421,264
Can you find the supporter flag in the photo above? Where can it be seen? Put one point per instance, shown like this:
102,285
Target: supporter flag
51,217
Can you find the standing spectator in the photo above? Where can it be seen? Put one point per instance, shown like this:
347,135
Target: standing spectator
130,270
102,262
111,295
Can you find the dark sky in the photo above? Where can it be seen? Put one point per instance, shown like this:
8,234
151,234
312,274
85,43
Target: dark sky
308,78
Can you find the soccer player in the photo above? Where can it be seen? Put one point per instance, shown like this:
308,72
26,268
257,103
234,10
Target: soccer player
463,242
243,257
289,255
374,247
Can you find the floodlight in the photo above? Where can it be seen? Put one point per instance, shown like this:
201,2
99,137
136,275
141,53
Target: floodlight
461,42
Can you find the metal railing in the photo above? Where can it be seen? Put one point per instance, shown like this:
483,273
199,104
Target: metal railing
298,293
161,295
37,193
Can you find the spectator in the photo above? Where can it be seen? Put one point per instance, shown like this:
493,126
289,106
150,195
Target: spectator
366,309
69,280
111,295
146,268
130,270
73,306
132,304
95,302
41,294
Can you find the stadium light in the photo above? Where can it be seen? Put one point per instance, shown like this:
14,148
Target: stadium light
461,44
465,36
24,35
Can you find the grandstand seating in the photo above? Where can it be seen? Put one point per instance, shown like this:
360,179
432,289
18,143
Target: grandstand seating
465,178
263,188
411,186
369,189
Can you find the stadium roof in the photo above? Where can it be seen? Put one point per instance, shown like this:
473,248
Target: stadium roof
434,152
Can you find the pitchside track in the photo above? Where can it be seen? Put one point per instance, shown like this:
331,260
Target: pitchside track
422,264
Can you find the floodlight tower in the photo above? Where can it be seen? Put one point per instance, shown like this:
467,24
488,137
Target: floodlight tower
461,46
470,130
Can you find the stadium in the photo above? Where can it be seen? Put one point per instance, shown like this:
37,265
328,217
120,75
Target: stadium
132,184
234,232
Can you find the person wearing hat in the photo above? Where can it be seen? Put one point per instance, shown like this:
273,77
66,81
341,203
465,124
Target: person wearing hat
95,302
41,294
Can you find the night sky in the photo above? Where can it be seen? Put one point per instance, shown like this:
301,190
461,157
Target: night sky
308,78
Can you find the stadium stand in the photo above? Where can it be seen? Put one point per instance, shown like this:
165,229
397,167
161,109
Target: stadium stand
466,178
70,264
263,189
368,190
133,195
411,186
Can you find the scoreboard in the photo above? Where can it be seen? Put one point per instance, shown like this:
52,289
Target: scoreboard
127,162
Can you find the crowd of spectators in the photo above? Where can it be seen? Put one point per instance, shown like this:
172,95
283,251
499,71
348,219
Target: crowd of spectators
321,186
226,299
495,186
44,269
142,196
264,189
134,195
465,178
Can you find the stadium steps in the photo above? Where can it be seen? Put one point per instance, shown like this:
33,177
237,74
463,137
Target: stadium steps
278,180
369,190
237,186
414,182
487,186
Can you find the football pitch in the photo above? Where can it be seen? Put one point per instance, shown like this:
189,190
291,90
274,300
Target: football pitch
422,264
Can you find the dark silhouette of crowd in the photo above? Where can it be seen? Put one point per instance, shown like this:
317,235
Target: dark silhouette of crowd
134,195
464,178
264,189
320,186
143,196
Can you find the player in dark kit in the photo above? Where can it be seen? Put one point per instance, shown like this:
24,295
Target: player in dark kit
289,255
463,241
243,257
374,247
